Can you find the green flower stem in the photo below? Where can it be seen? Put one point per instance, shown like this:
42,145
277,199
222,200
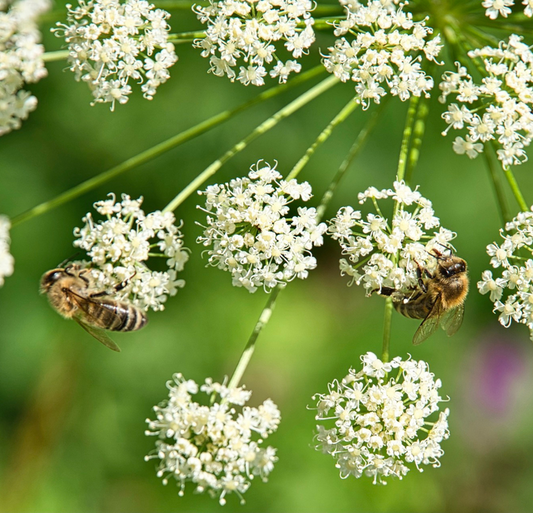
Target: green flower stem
511,28
250,346
362,137
387,321
406,137
326,198
55,56
418,135
498,186
414,114
160,148
264,127
186,35
480,37
323,137
516,189
324,24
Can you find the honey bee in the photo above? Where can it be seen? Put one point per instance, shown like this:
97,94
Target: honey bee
71,293
439,299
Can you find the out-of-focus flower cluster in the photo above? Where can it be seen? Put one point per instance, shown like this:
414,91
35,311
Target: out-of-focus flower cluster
7,262
251,234
495,8
120,245
243,33
383,254
500,109
112,42
512,291
387,51
382,423
216,447
20,59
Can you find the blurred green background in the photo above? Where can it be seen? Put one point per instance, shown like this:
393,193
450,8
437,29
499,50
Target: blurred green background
72,413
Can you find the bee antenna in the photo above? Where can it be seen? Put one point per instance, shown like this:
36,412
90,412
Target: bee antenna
69,259
445,246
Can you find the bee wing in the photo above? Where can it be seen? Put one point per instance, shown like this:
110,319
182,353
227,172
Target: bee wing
429,324
453,319
99,335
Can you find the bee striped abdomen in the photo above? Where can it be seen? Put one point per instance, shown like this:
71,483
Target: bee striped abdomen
413,309
118,316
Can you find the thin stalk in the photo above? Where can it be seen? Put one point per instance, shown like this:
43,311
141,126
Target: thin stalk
250,346
406,137
324,24
160,148
404,148
55,56
516,189
267,310
498,186
387,322
186,35
264,127
362,137
418,135
323,137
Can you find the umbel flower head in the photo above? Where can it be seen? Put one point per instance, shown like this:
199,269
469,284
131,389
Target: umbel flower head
218,447
499,109
380,419
20,59
511,290
7,261
244,37
112,43
495,8
382,46
119,247
382,253
250,233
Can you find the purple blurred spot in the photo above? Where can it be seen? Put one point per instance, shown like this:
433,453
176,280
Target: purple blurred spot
500,367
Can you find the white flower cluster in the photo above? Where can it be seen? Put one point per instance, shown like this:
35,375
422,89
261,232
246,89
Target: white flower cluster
216,447
514,258
387,50
382,423
244,32
383,254
112,42
7,261
250,233
500,109
120,245
20,59
495,8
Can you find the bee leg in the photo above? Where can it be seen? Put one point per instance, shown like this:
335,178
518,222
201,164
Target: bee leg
123,283
67,270
80,275
117,287
384,291
98,294
421,283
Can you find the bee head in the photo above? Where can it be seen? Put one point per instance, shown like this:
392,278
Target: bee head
451,266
